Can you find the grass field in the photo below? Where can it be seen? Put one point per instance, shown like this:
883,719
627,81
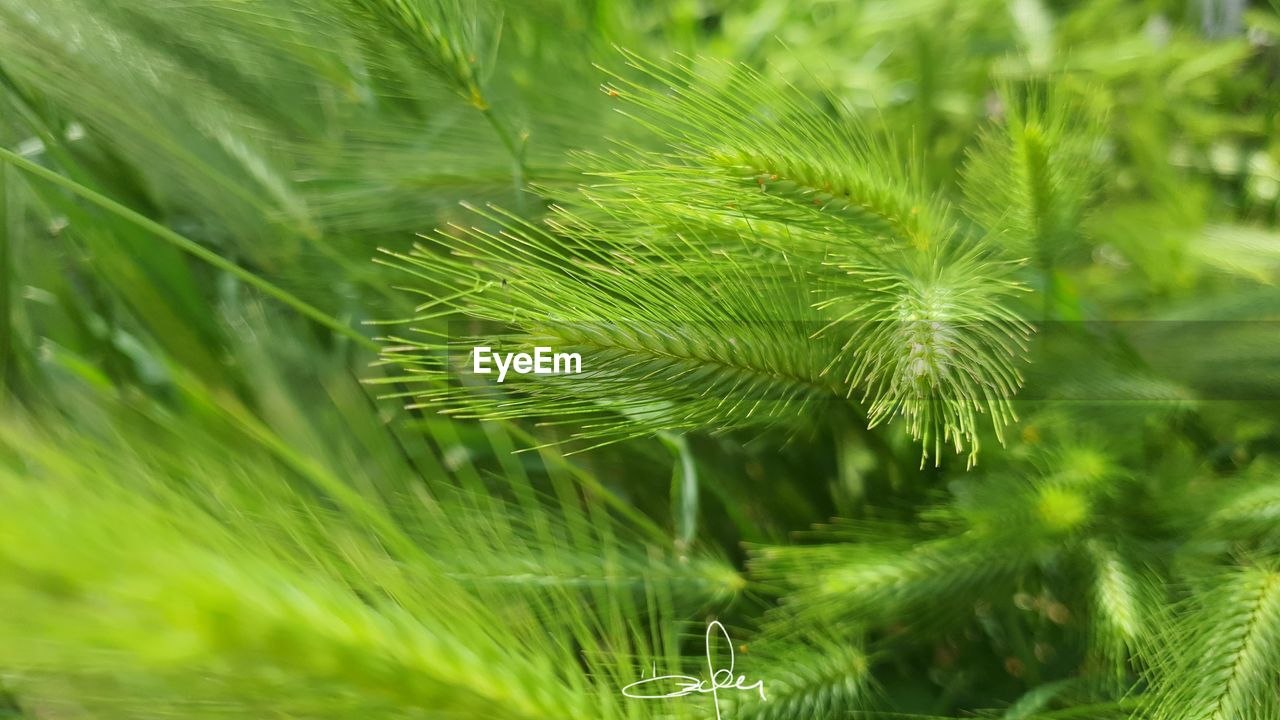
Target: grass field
931,347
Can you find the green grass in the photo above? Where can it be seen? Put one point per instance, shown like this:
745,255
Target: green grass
930,347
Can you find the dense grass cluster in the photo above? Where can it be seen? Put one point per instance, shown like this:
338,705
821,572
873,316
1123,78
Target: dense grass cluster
929,345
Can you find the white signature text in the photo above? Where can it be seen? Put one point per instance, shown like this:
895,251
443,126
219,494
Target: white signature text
673,686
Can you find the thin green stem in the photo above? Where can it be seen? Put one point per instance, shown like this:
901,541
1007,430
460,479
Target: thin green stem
8,235
188,246
594,487
519,171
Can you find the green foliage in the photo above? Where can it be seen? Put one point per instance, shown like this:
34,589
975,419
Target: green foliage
981,293
1219,658
909,310
1030,181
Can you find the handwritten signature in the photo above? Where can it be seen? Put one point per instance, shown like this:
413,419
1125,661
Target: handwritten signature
721,679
